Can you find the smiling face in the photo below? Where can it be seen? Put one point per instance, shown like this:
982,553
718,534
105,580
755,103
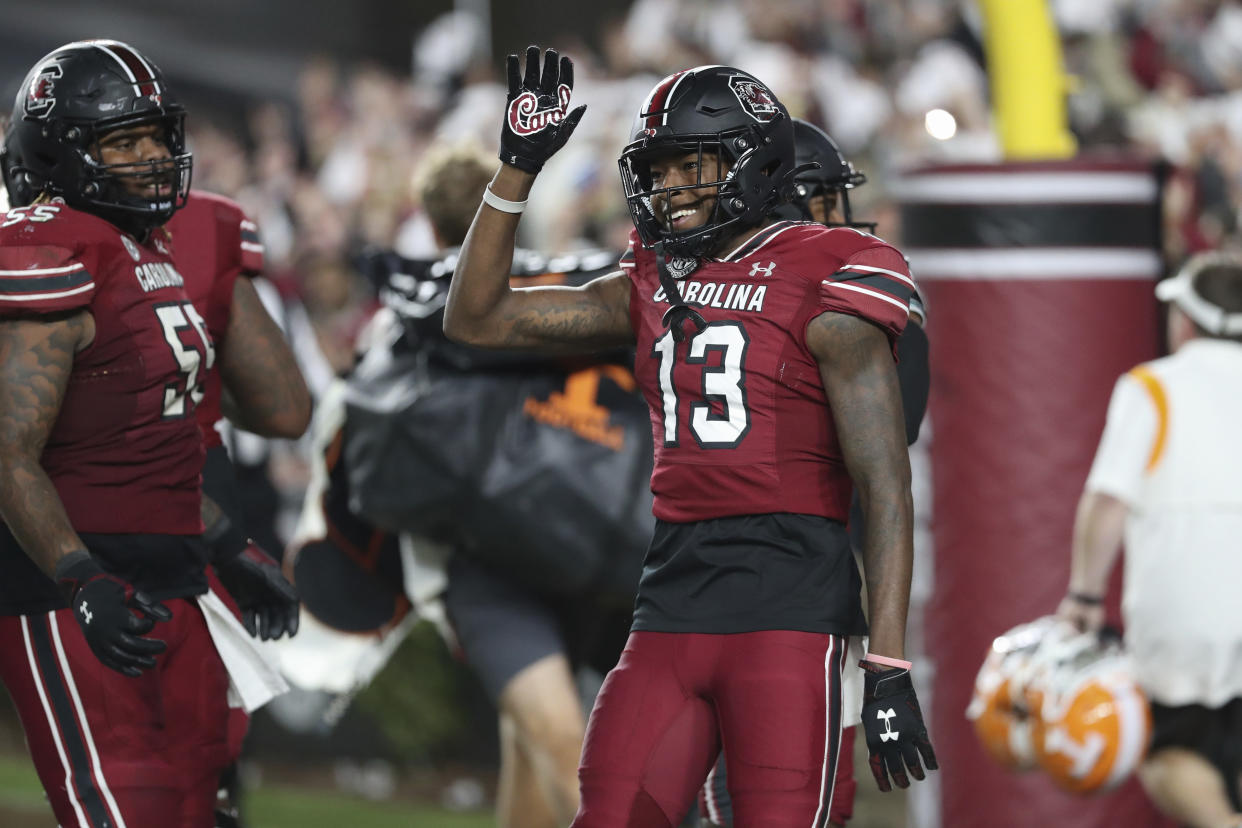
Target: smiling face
136,155
679,210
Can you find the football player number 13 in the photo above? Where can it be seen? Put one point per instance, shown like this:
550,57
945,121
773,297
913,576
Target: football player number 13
724,386
176,319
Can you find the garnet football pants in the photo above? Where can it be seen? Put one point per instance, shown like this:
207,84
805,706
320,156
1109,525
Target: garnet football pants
771,699
117,751
716,806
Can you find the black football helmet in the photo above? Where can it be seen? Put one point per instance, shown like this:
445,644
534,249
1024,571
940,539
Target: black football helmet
714,109
831,181
69,100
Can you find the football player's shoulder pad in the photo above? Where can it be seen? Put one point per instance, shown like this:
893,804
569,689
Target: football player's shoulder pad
201,205
36,235
52,258
807,247
846,241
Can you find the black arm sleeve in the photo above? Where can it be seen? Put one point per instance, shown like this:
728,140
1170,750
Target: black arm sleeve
914,377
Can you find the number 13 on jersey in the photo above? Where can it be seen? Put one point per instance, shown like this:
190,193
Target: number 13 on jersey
722,385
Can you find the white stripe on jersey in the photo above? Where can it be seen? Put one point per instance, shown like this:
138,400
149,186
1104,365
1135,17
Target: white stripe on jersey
729,256
764,243
34,297
847,286
44,271
859,232
886,272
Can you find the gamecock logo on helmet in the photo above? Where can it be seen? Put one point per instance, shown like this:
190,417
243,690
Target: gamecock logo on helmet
754,97
41,96
526,118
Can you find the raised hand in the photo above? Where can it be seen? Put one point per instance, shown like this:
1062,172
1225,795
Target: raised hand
537,117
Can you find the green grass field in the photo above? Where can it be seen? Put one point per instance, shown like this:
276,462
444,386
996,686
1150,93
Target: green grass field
286,806
22,805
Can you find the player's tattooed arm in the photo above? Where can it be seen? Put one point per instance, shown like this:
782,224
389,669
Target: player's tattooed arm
566,319
36,359
860,380
264,387
484,310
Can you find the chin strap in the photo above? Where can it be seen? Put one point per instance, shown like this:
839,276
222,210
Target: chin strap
679,312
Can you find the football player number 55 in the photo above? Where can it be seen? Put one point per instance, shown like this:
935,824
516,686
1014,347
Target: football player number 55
176,318
724,386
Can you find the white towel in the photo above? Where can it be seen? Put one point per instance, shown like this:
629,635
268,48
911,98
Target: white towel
852,681
253,679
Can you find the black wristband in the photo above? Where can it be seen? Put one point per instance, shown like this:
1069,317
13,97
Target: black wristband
73,570
1087,600
225,540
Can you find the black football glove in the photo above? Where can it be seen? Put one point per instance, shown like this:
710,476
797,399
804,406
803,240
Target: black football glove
268,602
114,617
536,124
893,722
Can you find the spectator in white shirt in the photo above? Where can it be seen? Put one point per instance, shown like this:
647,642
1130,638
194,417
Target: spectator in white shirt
1167,479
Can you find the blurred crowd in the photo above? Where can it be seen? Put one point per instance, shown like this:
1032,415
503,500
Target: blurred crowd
332,171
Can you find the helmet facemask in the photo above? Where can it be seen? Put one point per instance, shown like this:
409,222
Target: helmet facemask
741,164
115,191
823,181
811,188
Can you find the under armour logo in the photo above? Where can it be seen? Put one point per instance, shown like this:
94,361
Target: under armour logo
757,269
889,735
87,615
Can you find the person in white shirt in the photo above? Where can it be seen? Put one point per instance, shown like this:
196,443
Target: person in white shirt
1167,480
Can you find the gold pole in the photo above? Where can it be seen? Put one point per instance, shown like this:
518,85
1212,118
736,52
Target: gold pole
1028,83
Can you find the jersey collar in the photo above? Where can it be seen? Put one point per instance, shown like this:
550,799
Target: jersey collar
759,239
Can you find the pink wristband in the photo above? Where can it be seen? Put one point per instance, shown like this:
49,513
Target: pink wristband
886,661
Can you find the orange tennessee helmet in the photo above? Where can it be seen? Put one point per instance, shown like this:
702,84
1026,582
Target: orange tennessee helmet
998,707
1092,724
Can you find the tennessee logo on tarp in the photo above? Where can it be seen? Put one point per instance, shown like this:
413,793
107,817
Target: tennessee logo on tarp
577,407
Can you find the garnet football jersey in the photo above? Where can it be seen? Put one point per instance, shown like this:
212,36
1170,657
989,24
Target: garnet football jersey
125,452
214,243
738,412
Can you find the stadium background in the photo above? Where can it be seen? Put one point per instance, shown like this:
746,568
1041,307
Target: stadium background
314,116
